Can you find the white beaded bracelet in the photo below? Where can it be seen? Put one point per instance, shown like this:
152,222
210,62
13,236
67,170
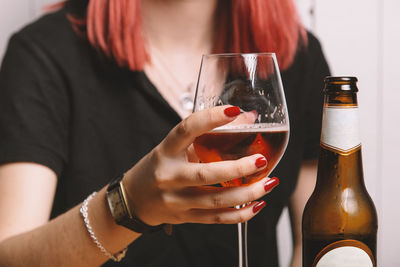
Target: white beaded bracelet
84,212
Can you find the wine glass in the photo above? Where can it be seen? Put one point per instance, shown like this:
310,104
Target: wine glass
252,82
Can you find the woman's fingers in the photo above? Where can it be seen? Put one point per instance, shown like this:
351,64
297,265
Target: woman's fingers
195,174
221,197
197,124
179,186
224,216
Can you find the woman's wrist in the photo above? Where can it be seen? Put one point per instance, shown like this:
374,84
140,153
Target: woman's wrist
112,236
84,212
123,214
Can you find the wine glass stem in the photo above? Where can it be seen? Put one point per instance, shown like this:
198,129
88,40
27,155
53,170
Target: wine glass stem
242,238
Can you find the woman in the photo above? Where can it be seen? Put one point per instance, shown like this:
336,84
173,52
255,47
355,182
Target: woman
92,91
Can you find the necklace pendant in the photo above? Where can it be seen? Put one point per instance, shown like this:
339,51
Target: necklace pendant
186,101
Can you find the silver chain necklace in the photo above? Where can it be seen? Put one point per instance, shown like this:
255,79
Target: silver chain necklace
185,95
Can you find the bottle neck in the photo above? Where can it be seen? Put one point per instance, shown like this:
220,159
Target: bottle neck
337,173
340,124
340,171
340,158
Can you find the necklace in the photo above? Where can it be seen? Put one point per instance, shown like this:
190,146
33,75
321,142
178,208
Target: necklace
163,76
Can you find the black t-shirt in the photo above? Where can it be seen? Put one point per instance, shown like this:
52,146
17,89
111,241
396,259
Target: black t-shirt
64,106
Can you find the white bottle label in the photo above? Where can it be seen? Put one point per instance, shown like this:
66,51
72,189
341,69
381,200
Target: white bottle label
340,128
346,253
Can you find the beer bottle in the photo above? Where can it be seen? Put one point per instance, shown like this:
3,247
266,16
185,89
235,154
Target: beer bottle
340,221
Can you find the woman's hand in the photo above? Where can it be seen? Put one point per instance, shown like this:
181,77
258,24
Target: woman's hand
165,187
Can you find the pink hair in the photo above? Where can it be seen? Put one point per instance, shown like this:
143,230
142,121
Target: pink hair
114,28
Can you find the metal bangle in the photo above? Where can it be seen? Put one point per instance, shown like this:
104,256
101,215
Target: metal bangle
84,212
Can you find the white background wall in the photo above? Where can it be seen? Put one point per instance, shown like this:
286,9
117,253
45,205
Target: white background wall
360,38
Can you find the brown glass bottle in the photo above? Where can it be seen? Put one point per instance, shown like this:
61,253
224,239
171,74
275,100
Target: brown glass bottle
340,221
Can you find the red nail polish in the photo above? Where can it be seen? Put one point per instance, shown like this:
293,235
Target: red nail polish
257,207
261,162
270,184
232,111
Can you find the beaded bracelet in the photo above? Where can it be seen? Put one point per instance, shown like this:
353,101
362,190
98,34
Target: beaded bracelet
84,212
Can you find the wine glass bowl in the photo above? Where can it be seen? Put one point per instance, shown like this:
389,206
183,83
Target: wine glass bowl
252,82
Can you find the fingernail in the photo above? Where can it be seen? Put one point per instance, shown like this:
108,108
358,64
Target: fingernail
232,111
257,207
270,184
261,162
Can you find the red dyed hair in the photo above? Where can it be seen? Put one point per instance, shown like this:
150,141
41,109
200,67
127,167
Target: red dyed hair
114,28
